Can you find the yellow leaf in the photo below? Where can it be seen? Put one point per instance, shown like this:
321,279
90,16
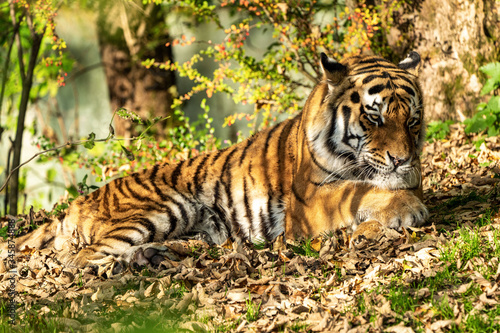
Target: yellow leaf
316,244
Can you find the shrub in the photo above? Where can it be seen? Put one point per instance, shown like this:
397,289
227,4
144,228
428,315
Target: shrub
487,119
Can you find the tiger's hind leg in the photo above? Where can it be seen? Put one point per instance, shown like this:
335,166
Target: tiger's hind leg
132,245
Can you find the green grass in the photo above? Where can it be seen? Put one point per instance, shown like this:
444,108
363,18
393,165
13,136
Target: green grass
467,249
298,326
253,309
305,248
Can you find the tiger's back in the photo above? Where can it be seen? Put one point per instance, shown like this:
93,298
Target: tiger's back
279,180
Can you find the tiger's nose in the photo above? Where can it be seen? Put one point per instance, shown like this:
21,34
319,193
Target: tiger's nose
396,160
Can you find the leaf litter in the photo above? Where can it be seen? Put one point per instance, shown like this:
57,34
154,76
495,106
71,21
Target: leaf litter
343,285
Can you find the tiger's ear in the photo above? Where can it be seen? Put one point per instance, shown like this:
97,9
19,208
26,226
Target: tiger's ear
333,72
411,63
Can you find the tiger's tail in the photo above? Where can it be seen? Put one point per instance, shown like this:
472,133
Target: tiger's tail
40,238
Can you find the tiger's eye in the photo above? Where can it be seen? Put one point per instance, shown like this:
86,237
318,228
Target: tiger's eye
413,122
373,117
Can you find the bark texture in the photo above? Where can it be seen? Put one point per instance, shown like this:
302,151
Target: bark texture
454,38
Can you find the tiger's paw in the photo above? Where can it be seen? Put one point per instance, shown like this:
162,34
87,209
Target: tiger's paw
399,210
149,255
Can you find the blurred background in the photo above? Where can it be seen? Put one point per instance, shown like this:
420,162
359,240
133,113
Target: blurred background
110,87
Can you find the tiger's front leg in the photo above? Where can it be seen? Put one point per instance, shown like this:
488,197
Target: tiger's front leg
347,204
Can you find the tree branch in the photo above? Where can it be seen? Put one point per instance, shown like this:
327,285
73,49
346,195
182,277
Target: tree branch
67,144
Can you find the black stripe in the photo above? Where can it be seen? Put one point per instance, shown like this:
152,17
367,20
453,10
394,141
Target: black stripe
134,193
282,153
217,195
331,145
266,225
181,207
173,225
315,161
346,112
244,152
252,178
355,97
217,155
405,78
319,184
99,244
408,90
273,219
362,112
246,202
94,195
376,89
190,161
268,138
264,161
128,228
154,172
46,242
370,78
198,185
175,174
119,187
105,202
139,181
378,68
121,238
115,201
226,181
153,181
376,60
297,195
150,226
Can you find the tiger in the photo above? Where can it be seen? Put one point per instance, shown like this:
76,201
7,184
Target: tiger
350,156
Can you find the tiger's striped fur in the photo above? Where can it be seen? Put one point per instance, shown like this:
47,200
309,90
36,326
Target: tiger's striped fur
351,155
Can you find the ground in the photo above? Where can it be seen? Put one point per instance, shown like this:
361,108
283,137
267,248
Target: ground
441,277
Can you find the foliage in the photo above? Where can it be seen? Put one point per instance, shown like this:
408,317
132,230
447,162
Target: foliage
277,77
108,157
438,130
34,67
488,116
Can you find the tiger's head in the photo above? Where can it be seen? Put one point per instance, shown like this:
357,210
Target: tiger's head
364,121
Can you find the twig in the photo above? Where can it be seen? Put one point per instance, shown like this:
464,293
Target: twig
110,136
300,64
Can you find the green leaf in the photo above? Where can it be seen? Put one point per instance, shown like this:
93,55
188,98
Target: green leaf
476,125
492,131
90,141
51,175
493,71
128,153
127,114
73,191
494,104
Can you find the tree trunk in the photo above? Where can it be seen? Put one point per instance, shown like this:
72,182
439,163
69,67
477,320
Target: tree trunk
145,91
23,106
454,38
